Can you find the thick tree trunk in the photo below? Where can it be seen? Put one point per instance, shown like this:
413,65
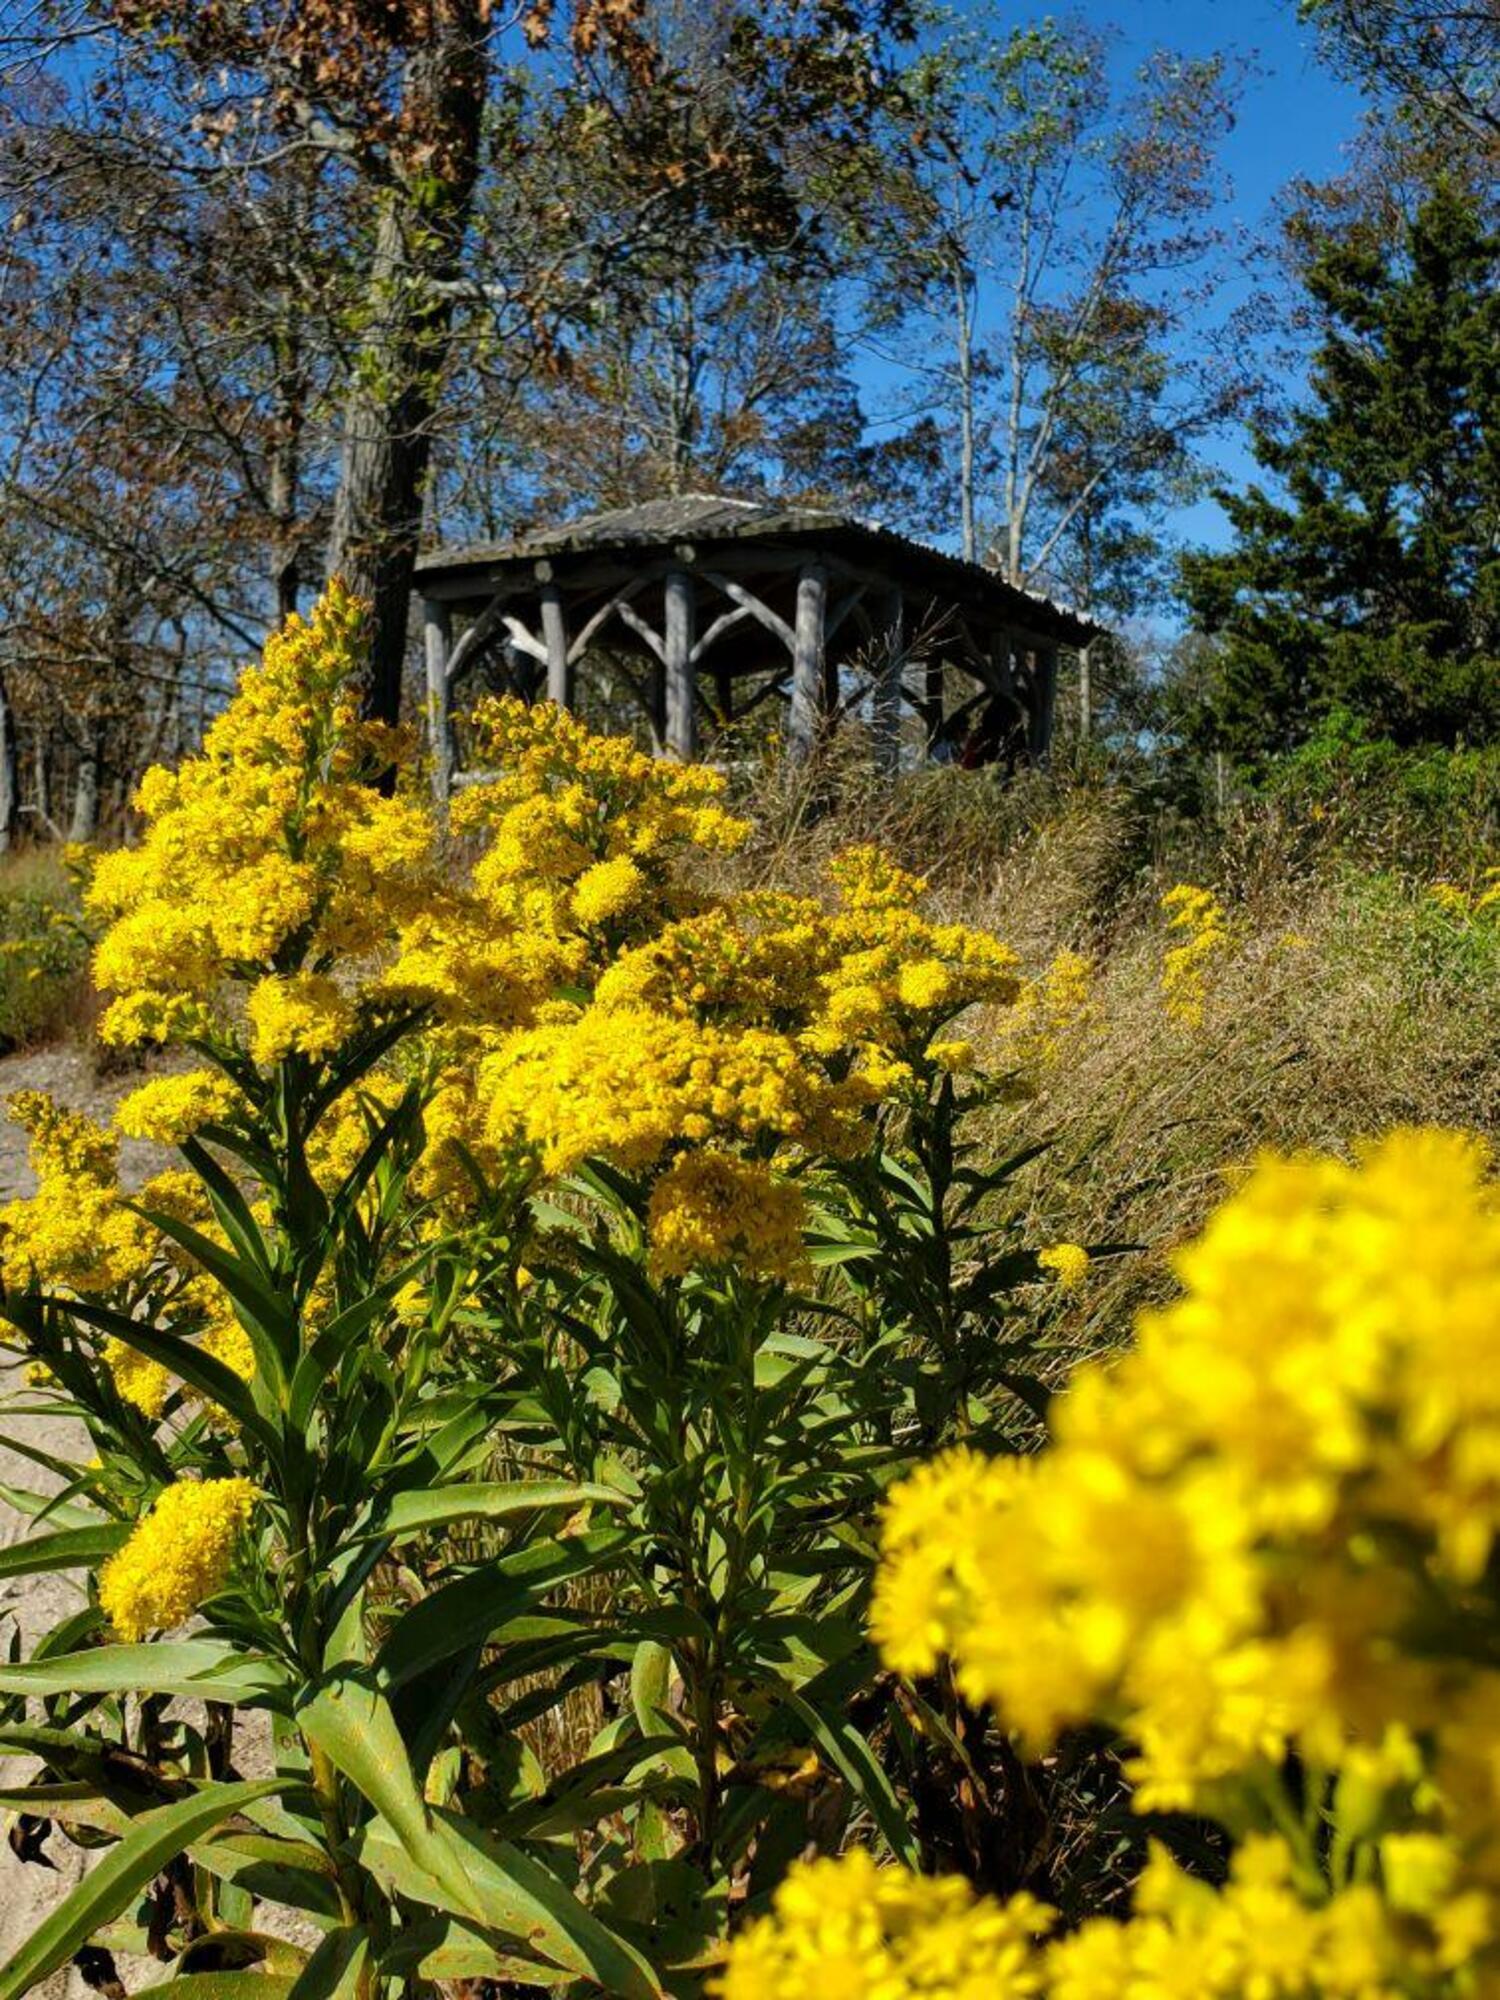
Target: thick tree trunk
83,822
284,476
420,231
41,781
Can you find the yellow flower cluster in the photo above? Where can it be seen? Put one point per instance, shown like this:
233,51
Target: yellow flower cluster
581,996
268,853
847,1930
1225,1546
78,1233
713,1208
581,836
1198,916
1068,1263
74,1233
865,1933
1052,1009
870,981
1466,904
169,1109
762,1020
625,1083
180,1554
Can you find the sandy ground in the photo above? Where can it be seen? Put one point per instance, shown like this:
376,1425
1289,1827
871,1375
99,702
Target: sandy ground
28,1891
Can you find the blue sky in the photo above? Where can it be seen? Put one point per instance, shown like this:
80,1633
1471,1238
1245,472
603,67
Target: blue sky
1296,119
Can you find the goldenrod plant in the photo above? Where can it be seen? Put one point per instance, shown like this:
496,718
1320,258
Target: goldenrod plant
575,1421
1261,1547
510,1332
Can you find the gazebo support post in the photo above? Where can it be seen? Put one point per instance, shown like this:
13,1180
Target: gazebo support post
890,659
678,622
807,704
437,638
1044,700
555,639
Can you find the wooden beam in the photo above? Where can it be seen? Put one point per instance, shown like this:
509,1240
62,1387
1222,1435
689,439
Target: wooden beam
437,639
524,641
725,621
471,644
555,642
628,615
808,694
679,615
738,594
890,662
602,616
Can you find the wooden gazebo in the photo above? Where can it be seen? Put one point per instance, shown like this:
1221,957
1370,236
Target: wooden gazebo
707,602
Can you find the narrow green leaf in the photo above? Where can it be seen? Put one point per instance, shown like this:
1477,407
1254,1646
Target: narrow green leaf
650,1680
154,1839
405,1513
261,1310
206,1668
466,1611
220,1384
505,1890
70,1548
335,1969
351,1723
854,1760
233,1211
51,1507
223,1986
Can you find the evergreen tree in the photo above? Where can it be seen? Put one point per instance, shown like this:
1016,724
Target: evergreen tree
1371,579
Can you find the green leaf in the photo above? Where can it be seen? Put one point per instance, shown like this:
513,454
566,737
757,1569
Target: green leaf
406,1513
327,1351
650,1679
444,1948
70,1548
468,1610
50,1506
207,1668
275,1870
223,1986
351,1722
109,1888
230,1206
505,1890
202,1371
267,1317
854,1760
335,1969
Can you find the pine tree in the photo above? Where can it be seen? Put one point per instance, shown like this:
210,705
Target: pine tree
1370,580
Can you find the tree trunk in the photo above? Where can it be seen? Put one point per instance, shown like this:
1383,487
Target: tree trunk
83,823
965,358
10,783
284,475
41,770
423,216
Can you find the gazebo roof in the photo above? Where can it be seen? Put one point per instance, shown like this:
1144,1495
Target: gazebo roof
659,526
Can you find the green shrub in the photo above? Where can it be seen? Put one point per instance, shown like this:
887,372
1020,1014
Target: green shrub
1426,810
44,990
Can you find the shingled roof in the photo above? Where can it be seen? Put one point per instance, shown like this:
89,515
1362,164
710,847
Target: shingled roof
659,525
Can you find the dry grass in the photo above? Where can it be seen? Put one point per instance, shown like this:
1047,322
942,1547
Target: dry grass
1348,1002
